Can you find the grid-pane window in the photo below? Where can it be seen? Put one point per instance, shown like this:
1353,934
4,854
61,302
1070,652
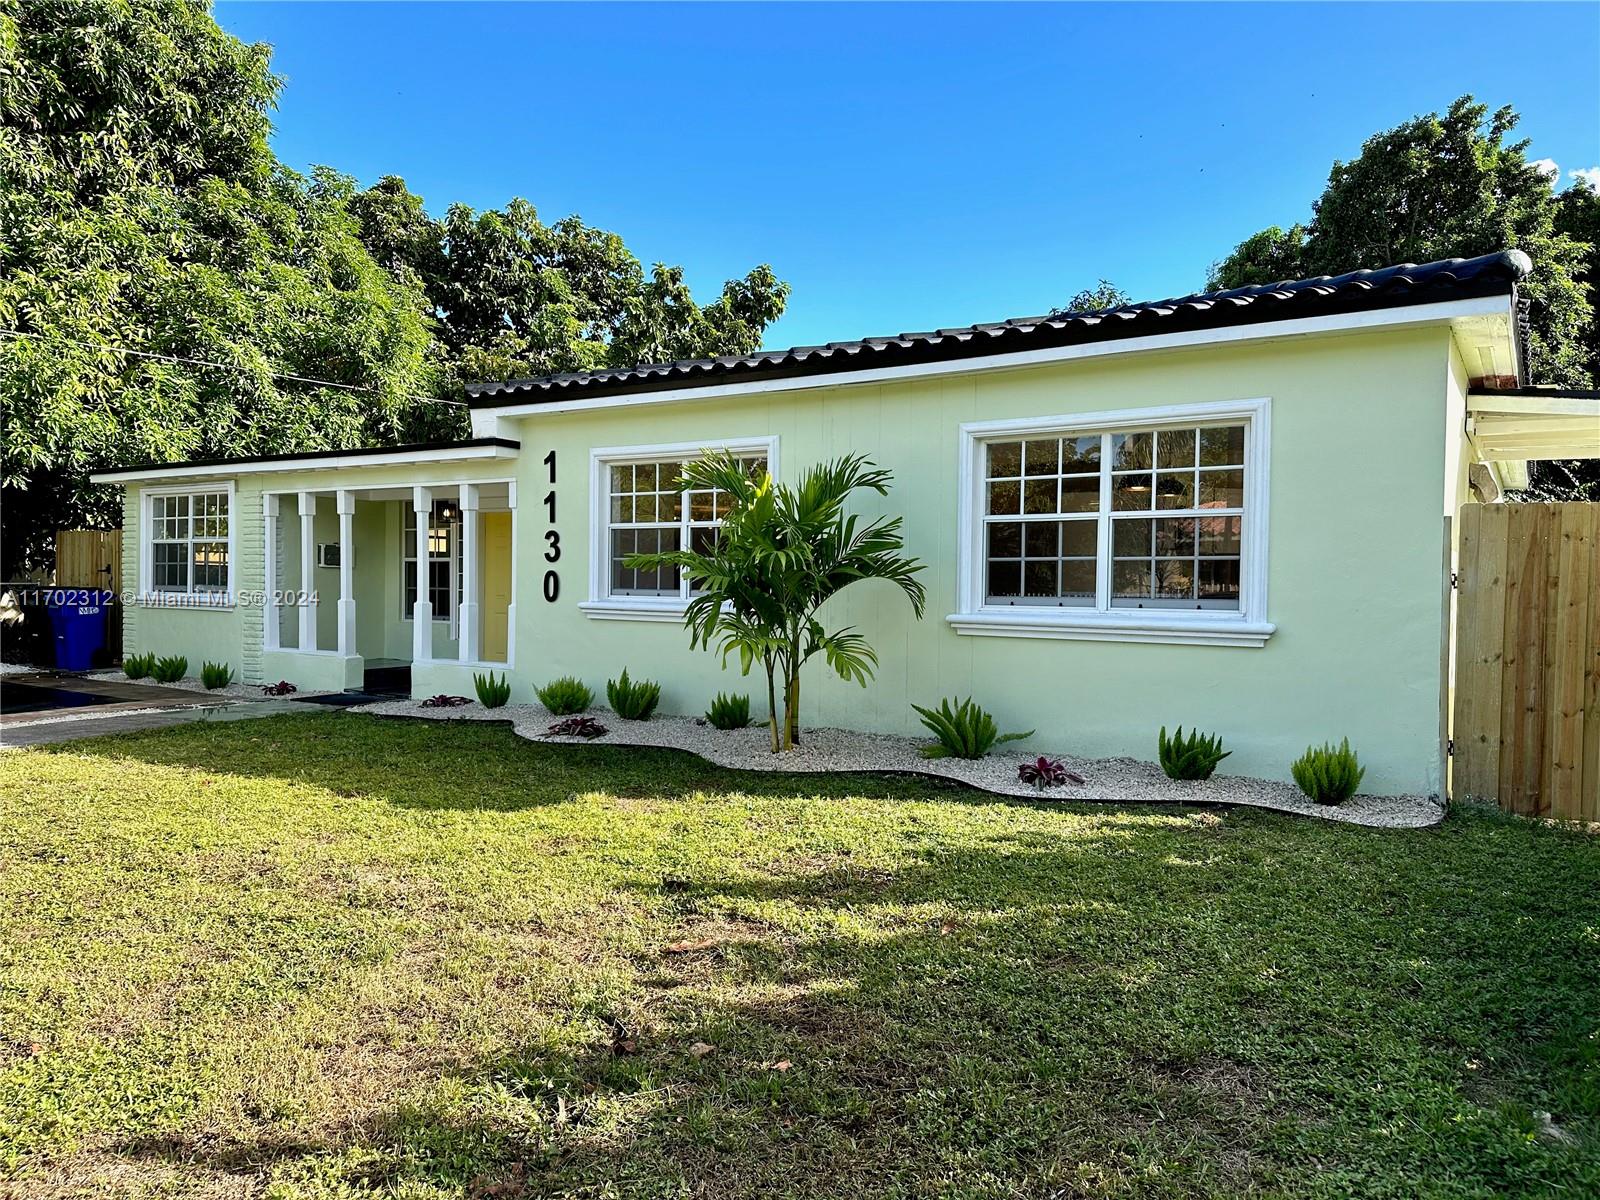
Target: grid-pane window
188,540
646,513
443,560
1136,519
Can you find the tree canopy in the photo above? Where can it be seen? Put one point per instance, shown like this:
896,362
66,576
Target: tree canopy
142,209
1444,186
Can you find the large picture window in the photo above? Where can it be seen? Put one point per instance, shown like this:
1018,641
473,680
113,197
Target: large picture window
640,510
1154,524
187,543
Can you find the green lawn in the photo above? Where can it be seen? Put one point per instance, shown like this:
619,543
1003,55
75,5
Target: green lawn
332,955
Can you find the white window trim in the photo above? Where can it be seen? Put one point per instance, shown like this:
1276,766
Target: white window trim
148,596
601,605
408,548
1210,627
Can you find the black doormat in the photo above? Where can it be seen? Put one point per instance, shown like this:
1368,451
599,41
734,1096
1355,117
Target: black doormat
341,699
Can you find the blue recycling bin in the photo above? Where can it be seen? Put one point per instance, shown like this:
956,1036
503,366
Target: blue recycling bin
78,620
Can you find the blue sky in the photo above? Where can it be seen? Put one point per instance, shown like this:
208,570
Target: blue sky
907,166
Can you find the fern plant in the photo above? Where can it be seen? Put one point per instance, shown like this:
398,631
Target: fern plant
493,691
215,675
964,731
1328,775
138,666
565,696
1194,756
170,669
729,711
630,700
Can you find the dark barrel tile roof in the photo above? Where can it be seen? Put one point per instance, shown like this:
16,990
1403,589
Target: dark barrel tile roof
1357,291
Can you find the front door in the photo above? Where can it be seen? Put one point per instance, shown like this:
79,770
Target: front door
496,592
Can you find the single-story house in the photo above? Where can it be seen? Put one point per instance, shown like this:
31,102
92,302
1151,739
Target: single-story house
1230,510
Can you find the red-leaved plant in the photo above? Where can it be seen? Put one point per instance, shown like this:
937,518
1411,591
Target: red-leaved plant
282,688
1045,772
444,701
583,727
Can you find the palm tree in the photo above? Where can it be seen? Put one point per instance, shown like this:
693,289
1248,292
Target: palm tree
779,554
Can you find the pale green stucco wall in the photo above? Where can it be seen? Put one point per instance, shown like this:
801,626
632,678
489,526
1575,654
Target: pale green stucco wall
1360,445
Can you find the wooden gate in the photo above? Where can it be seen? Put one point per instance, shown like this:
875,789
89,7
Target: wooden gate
1527,684
89,558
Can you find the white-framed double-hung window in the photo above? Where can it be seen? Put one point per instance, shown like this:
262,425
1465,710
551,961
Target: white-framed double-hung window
444,560
637,507
1141,525
186,543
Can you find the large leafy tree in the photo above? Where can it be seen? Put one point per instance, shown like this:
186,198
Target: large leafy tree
780,554
515,296
1452,185
1442,186
141,209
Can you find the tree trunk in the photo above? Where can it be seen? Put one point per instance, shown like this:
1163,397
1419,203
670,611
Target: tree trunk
772,704
791,711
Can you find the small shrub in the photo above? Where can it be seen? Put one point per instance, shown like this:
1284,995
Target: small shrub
729,711
215,675
282,688
632,701
964,731
1328,775
492,691
565,696
584,727
1193,757
445,701
1045,772
138,666
170,669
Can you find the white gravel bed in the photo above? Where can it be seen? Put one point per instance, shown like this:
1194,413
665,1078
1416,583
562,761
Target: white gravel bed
16,669
1105,779
233,691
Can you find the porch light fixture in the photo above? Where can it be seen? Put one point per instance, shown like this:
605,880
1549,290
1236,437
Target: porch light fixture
447,511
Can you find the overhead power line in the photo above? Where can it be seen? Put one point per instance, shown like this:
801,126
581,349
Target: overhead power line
220,366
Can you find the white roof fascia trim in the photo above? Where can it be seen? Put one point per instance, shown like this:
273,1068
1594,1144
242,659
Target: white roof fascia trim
1555,405
278,465
1421,314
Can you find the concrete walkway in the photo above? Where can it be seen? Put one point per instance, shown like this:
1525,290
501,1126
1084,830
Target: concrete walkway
66,728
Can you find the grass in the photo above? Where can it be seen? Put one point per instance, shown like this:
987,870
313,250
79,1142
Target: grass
329,955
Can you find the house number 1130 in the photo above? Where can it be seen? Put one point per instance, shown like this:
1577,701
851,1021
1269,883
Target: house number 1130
552,553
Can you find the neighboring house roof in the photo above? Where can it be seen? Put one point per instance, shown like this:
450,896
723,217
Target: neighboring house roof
1358,291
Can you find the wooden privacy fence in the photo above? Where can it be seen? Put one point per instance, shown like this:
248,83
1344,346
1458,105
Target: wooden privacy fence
1527,684
83,556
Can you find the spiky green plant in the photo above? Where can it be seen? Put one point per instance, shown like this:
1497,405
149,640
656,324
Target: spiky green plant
493,690
964,731
138,666
170,669
1327,774
565,696
632,700
729,711
1194,756
215,675
780,554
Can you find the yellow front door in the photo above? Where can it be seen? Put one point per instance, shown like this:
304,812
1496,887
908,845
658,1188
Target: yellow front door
496,549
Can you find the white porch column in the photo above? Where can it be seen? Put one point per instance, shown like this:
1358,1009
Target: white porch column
422,610
347,571
269,578
308,571
467,647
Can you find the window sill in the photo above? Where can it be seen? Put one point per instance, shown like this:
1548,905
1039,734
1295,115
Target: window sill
669,611
1184,630
181,601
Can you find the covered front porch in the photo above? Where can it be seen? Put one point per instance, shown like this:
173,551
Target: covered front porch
384,578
